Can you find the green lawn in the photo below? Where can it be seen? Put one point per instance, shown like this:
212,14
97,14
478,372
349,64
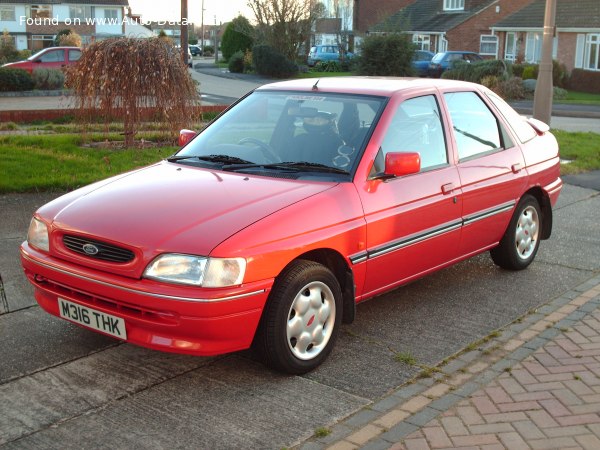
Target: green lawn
583,149
582,98
58,162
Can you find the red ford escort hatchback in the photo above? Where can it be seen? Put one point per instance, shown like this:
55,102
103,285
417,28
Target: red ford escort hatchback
301,200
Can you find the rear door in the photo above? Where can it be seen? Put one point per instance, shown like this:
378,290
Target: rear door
491,169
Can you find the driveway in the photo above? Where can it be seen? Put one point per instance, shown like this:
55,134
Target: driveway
63,386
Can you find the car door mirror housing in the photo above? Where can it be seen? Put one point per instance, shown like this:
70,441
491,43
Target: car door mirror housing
186,136
400,164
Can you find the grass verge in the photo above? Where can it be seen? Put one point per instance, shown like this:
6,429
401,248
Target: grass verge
57,162
582,98
579,148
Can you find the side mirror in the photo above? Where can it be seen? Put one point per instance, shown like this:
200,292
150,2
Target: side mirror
186,136
400,164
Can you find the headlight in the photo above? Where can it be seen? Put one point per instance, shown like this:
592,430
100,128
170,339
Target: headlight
197,270
37,236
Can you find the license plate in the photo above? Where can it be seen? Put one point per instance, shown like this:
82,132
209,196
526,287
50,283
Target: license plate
106,323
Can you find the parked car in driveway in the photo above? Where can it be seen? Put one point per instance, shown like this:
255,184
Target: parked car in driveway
299,201
195,50
446,60
49,58
420,62
322,53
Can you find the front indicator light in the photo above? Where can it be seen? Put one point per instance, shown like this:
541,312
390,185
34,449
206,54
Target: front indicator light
37,235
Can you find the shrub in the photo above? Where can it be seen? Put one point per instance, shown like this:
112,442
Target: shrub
477,71
584,81
15,80
530,72
559,93
236,62
269,62
208,50
48,79
490,81
560,74
328,66
237,37
70,40
389,55
248,67
511,89
8,52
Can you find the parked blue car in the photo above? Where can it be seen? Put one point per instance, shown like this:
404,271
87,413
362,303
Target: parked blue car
420,62
320,53
445,61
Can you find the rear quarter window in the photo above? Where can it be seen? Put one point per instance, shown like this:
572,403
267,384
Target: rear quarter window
517,123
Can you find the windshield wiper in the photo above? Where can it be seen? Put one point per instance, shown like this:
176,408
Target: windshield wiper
225,159
297,166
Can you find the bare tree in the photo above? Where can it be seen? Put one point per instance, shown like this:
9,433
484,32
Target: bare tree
120,78
285,24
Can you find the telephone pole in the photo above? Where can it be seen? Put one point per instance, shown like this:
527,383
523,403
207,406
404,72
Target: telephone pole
542,99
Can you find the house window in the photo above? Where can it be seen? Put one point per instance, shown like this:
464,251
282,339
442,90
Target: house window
454,5
7,14
488,45
592,52
510,47
111,14
422,41
80,12
39,11
533,47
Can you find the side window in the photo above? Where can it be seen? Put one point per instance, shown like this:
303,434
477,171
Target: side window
53,56
475,127
74,55
417,127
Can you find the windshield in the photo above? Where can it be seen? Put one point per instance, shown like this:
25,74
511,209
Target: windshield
287,131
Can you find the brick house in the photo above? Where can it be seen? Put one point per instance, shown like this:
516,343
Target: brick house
34,25
440,25
577,40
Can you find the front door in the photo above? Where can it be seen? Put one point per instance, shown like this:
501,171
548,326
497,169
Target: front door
413,222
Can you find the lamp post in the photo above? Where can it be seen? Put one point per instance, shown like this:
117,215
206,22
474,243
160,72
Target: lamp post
184,31
202,30
542,98
216,42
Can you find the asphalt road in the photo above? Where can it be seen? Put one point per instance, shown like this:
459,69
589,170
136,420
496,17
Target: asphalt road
65,387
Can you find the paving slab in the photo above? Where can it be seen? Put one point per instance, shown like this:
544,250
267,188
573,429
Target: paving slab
242,404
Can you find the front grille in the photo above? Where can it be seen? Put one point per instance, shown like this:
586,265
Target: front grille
97,249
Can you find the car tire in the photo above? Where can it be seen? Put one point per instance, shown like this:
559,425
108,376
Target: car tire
301,320
521,241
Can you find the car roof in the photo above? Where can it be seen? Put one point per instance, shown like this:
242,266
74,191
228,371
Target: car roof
378,86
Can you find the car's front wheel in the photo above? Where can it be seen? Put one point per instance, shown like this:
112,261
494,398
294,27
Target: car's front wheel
302,318
520,243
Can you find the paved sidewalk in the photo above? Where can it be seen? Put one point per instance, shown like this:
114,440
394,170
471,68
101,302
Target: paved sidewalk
532,385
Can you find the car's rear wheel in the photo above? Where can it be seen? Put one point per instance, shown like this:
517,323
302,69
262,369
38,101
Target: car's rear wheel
302,318
520,243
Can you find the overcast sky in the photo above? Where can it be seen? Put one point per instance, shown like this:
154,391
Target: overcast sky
224,10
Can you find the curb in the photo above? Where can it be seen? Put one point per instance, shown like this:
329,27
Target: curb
388,421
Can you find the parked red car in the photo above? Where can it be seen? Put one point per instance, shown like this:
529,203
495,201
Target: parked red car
301,200
49,58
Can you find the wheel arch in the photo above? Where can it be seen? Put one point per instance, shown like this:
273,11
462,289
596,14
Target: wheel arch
335,262
546,208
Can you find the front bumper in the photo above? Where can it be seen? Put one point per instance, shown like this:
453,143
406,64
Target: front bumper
171,318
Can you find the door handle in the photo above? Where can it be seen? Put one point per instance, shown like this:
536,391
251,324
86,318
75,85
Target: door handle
447,188
516,168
